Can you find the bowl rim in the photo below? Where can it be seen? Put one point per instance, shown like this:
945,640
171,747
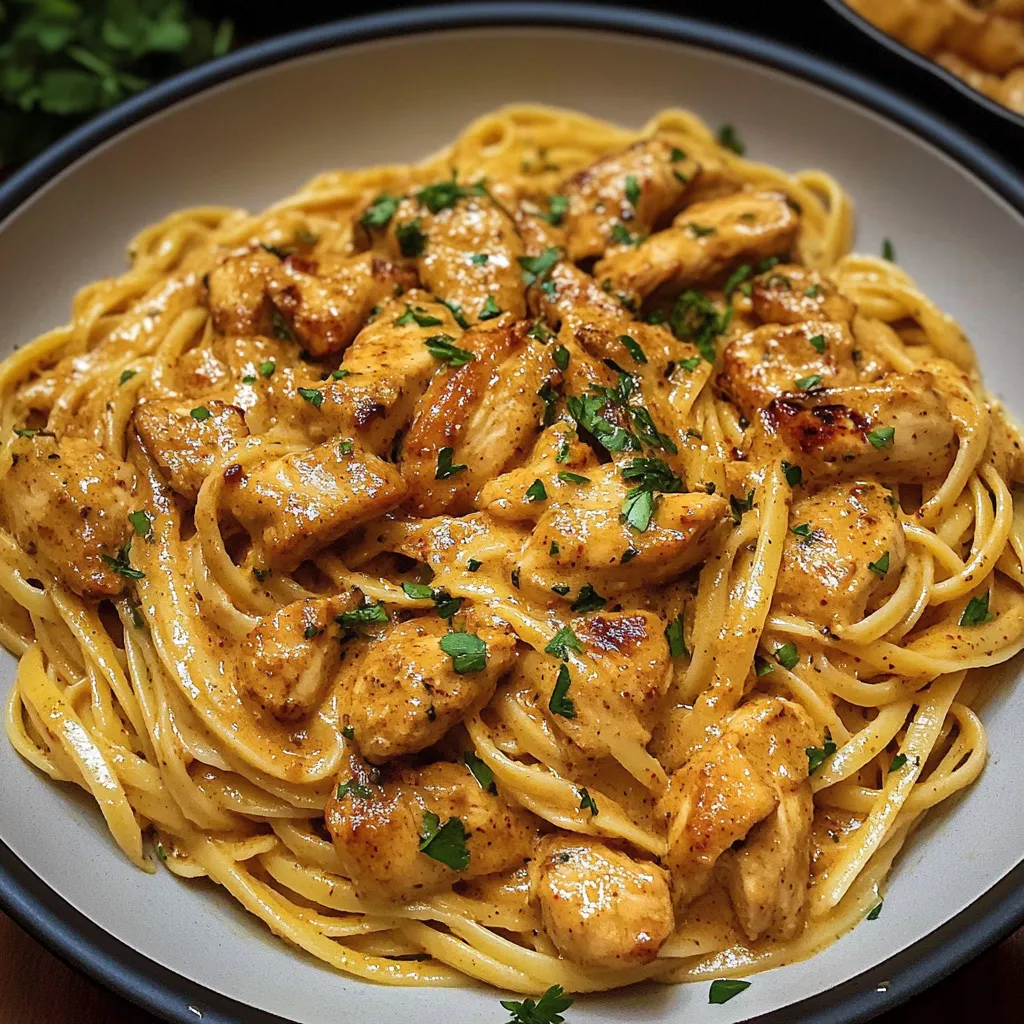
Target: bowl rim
82,944
933,67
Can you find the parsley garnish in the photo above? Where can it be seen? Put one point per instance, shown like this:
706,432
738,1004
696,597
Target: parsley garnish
808,383
875,911
200,412
794,474
310,632
691,364
587,802
261,574
380,211
456,311
440,347
695,318
561,589
730,138
818,341
674,637
762,666
558,207
445,468
816,756
573,478
126,376
881,567
348,731
540,331
740,506
897,763
560,702
280,327
736,278
536,492
479,259
419,316
249,379
411,239
339,374
314,396
490,309
356,788
632,190
723,989
445,843
546,1010
368,613
418,591
564,641
473,564
882,437
142,523
787,655
620,235
588,600
481,771
267,369
632,346
803,531
445,194
467,651
550,397
700,231
536,268
888,252
976,613
122,567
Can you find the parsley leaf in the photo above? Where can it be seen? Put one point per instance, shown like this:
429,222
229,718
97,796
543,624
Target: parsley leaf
356,788
419,316
560,702
267,369
803,531
445,194
816,756
564,641
897,763
546,1010
976,613
888,252
558,207
126,376
560,356
632,189
740,506
445,843
620,235
467,651
787,655
536,268
573,478
200,412
587,802
456,311
380,211
736,278
123,567
440,347
280,327
882,437
411,239
729,137
142,523
588,600
723,989
418,591
808,383
368,613
489,310
881,567
632,346
695,318
875,911
675,638
473,564
794,474
817,342
638,508
445,468
481,771
536,492
314,396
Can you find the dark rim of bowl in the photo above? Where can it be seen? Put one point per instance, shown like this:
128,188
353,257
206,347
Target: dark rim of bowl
922,61
81,943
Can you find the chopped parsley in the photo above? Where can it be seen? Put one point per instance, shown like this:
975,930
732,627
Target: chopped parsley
514,577
536,268
123,567
479,259
740,506
691,364
536,492
550,397
126,376
489,310
540,331
554,549
587,802
445,194
369,612
620,235
794,474
467,651
561,589
897,763
261,574
560,702
560,356
249,379
339,374
558,207
380,211
473,564
632,189
348,731
142,523
803,531
730,138
441,347
816,756
481,771
882,437
314,396
445,467
280,327
267,369
456,311
888,251
311,631
445,843
200,412
736,278
808,383
588,600
674,637
700,230
881,567
787,655
723,989
419,316
564,641
762,666
695,318
875,911
976,613
817,342
418,591
546,1010
411,239
356,788
632,346
573,478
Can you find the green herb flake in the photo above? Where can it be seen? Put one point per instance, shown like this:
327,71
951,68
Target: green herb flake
875,911
418,591
348,731
473,564
411,240
310,632
736,278
280,327
794,474
808,383
888,251
803,531
356,788
560,356
200,413
314,396
142,523
249,379
537,268
675,638
882,437
587,802
724,989
546,1010
445,194
700,230
121,565
691,364
467,651
445,467
536,492
762,666
561,589
730,138
261,574
380,211
481,771
812,292
573,478
267,369
897,763
787,655
632,190
445,843
126,376
489,310
816,756
588,600
560,702
441,347
881,567
817,342
369,613
564,641
632,346
976,613
740,506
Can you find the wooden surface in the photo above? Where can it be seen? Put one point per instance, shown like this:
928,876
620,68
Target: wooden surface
36,988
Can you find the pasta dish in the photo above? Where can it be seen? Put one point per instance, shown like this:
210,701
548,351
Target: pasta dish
979,41
555,563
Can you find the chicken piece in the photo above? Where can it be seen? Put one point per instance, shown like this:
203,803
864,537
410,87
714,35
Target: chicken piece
324,302
789,294
773,360
559,460
600,907
186,440
921,24
767,875
993,43
302,502
636,189
319,303
584,542
67,502
486,411
848,549
407,693
701,244
1004,451
899,428
465,246
378,820
287,658
724,790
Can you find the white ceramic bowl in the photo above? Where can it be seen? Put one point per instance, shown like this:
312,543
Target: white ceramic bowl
253,127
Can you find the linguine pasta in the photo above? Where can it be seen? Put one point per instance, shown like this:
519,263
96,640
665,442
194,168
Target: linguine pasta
451,545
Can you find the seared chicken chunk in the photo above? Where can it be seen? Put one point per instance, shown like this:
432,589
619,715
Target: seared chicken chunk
319,303
725,789
485,413
635,189
848,547
378,822
288,658
702,242
466,249
407,692
790,293
767,874
898,428
187,439
67,502
302,502
584,542
775,360
600,907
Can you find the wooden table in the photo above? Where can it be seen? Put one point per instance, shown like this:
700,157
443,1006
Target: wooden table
36,988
